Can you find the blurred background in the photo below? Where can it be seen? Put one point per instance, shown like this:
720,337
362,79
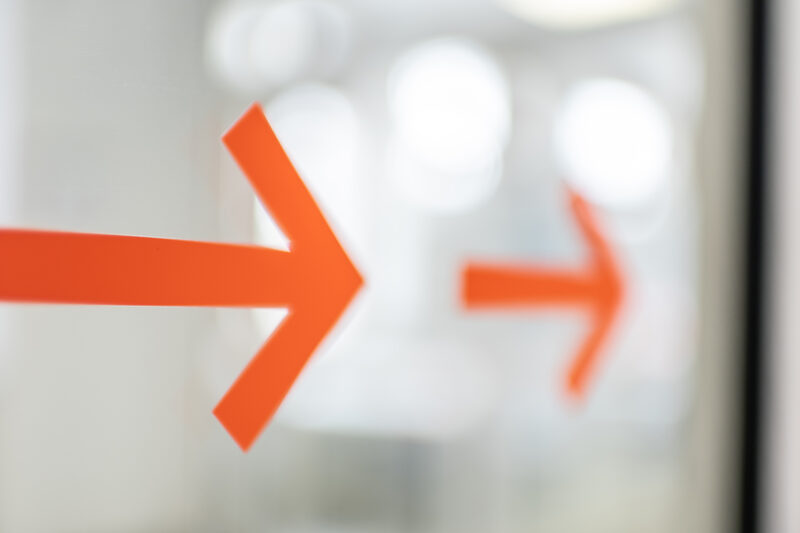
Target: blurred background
431,132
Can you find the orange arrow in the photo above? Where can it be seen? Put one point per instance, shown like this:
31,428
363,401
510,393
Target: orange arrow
315,280
597,287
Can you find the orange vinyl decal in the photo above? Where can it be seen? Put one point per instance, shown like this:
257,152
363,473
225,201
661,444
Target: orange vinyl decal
315,280
598,287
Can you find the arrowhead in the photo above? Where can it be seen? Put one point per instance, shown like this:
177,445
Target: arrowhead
605,297
323,283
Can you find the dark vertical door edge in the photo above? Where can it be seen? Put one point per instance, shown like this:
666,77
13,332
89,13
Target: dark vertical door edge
756,255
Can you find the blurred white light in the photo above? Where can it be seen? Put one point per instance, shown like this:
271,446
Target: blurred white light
282,42
450,111
440,191
318,128
449,102
577,14
614,143
258,45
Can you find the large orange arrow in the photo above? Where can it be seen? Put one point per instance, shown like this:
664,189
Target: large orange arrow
596,287
315,279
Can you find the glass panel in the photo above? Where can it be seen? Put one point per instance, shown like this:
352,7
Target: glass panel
520,182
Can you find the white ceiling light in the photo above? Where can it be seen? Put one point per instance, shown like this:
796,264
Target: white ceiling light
614,142
578,14
450,111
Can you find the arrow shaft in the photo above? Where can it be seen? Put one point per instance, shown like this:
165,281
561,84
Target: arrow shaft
502,286
82,268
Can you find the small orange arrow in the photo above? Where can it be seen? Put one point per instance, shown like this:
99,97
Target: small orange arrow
597,286
315,280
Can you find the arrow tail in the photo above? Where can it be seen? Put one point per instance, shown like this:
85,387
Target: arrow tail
84,268
504,286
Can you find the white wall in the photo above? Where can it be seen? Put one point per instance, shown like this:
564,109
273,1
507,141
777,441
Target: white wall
95,400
